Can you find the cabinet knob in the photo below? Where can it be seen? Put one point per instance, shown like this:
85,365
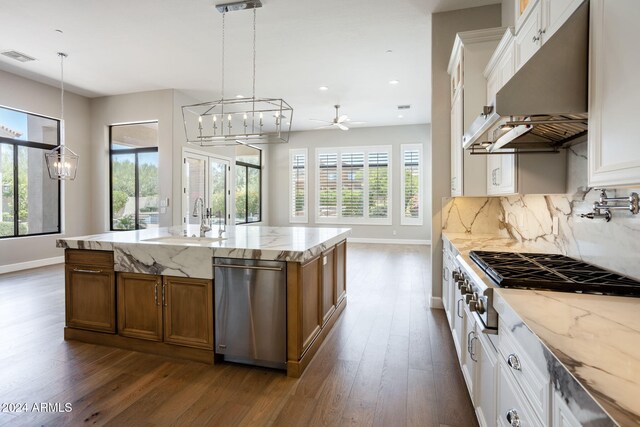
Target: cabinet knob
514,362
513,418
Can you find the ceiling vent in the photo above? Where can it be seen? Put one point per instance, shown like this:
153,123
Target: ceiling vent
404,107
18,56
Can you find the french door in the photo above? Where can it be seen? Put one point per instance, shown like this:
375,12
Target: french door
207,177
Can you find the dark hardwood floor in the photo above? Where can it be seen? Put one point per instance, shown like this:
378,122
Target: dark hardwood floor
389,361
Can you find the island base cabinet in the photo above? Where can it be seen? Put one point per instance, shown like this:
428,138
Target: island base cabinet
90,293
140,306
188,312
175,310
312,291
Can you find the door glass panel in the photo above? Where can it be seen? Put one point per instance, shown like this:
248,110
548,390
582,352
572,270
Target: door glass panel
253,199
148,184
196,179
123,197
6,180
217,191
241,194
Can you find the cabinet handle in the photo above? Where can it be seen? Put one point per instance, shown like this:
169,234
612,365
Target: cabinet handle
155,293
445,274
513,418
469,340
458,308
80,270
514,362
471,352
164,300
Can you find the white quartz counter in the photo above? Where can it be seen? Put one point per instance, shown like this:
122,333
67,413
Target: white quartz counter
595,338
173,251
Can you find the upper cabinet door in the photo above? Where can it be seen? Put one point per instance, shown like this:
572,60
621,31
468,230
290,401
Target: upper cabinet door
614,93
529,37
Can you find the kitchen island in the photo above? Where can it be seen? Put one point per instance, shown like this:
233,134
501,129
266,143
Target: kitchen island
152,290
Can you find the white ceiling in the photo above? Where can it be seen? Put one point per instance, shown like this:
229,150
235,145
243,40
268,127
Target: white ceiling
124,46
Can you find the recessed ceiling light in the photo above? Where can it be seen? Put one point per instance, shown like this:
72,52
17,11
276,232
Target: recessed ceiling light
239,96
323,88
394,82
389,51
400,116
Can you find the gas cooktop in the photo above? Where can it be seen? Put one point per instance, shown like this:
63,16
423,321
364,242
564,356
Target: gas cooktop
552,272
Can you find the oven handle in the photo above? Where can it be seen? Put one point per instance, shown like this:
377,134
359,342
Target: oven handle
482,327
458,308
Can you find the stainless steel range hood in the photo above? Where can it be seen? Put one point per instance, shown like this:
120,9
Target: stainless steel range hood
544,105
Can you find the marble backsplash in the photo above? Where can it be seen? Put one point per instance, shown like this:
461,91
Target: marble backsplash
529,218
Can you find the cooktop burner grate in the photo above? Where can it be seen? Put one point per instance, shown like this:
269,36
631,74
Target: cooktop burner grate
552,272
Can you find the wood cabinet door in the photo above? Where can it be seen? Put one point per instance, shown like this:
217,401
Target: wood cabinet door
341,271
328,284
140,306
188,312
309,288
614,90
90,298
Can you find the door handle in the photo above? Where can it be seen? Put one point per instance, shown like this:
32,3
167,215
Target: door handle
80,270
248,267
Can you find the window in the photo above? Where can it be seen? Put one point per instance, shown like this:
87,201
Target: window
248,184
354,185
30,200
204,176
298,186
411,191
134,176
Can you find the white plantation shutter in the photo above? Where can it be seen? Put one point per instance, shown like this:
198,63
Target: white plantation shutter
354,185
411,184
298,192
327,185
352,194
379,184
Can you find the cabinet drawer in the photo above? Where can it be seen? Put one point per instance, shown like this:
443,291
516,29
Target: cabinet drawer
513,408
89,258
519,366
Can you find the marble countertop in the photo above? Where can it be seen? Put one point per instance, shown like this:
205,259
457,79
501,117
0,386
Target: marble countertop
177,251
595,338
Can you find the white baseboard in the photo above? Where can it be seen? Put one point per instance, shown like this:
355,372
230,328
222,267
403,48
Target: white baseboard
436,302
389,241
31,264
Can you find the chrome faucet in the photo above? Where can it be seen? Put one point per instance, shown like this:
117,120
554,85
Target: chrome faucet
221,222
205,214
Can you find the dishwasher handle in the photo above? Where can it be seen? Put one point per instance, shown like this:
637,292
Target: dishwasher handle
247,267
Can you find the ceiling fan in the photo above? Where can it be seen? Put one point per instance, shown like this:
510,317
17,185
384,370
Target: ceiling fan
340,121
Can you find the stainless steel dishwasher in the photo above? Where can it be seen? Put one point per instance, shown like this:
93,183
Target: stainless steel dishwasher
251,311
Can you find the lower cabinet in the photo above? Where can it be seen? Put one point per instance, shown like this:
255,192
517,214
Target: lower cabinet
175,310
90,291
328,284
341,271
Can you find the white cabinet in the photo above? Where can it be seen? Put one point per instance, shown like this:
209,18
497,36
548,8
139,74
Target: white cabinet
478,364
456,144
447,279
469,57
458,326
537,22
614,91
501,174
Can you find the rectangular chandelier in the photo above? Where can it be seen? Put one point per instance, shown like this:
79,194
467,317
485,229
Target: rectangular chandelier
238,121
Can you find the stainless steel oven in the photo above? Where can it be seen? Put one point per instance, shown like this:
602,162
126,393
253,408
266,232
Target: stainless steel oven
477,295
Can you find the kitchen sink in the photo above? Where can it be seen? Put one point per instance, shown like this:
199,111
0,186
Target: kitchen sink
185,240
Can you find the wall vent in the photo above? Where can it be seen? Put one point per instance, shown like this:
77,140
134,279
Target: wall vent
18,56
404,107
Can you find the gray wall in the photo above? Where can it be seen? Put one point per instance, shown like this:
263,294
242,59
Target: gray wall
444,27
23,94
386,135
135,107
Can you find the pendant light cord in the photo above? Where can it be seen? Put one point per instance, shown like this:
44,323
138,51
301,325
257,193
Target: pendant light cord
62,56
254,54
222,90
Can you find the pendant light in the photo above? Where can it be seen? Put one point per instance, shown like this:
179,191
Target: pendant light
62,162
238,120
